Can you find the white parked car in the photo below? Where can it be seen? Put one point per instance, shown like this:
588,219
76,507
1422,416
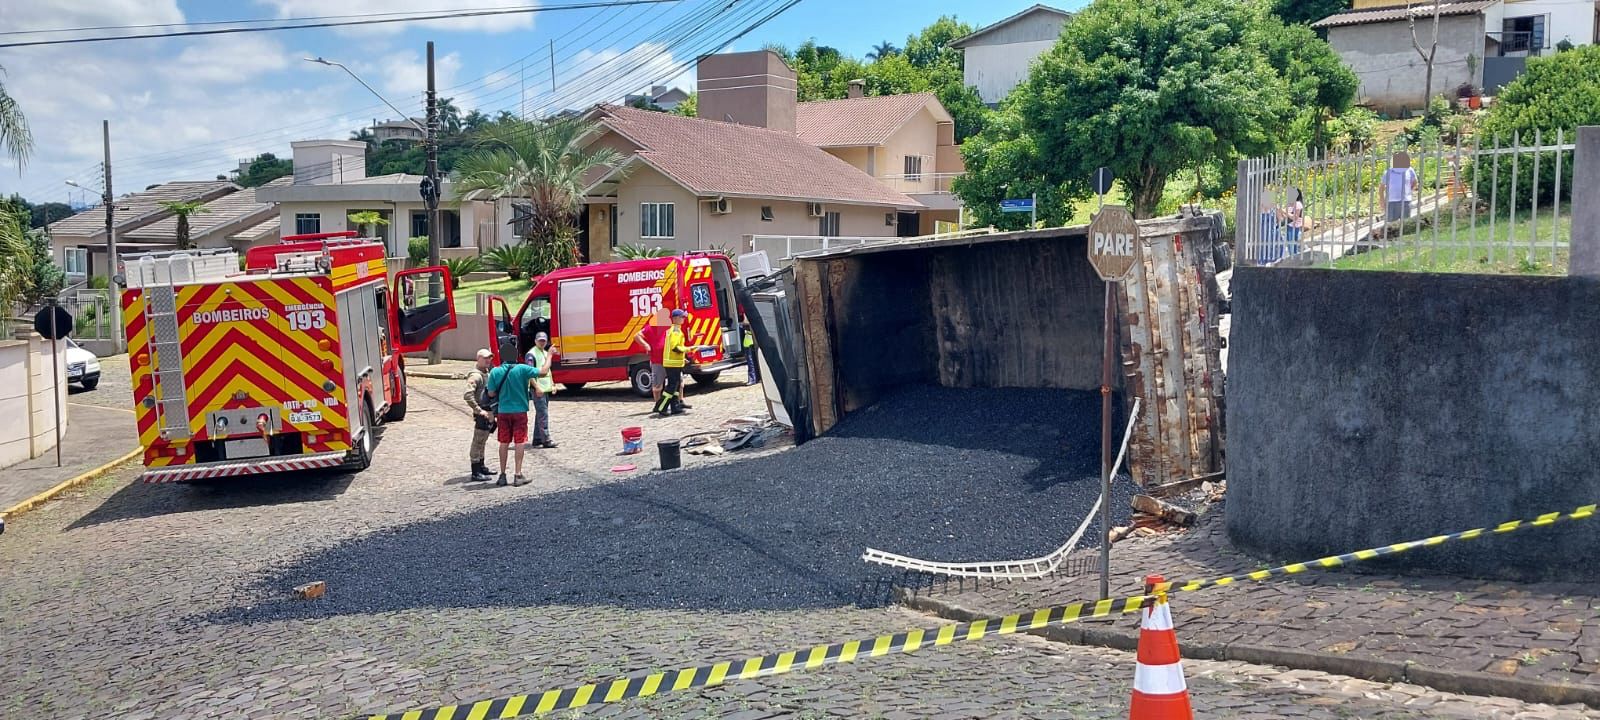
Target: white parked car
83,367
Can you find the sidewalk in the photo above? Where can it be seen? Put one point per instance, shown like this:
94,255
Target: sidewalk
445,370
1537,642
93,437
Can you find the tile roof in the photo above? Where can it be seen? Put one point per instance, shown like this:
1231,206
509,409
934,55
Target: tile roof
266,229
1392,14
137,209
230,209
710,157
858,121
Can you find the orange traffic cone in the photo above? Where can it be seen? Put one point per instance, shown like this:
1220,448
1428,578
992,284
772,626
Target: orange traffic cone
1159,692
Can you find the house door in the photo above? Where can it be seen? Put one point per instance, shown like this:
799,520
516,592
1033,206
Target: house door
908,225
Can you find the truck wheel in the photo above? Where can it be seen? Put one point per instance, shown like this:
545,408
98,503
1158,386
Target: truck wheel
639,378
361,455
705,378
573,386
397,409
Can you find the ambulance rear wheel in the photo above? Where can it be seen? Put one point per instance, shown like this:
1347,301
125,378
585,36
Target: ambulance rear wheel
639,378
705,378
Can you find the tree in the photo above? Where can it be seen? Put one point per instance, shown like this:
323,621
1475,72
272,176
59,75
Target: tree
1145,87
882,50
1555,93
28,273
690,107
265,168
1433,48
931,45
1305,12
368,221
1320,85
543,163
16,263
449,116
183,209
14,134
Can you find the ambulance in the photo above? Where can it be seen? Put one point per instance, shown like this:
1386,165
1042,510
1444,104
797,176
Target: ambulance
286,362
593,314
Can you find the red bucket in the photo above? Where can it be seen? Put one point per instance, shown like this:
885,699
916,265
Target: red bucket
632,440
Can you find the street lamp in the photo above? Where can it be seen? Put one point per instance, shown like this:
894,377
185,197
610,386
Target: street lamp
352,74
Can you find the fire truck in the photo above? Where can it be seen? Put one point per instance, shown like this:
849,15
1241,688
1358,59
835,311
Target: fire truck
593,314
285,362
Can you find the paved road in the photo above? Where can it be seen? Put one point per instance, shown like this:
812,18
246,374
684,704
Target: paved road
139,601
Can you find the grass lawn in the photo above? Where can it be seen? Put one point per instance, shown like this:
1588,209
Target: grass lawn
1470,252
514,291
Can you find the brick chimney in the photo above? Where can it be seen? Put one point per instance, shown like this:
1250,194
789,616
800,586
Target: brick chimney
750,88
858,88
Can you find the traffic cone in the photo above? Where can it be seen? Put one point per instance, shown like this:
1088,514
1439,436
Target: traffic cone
1159,692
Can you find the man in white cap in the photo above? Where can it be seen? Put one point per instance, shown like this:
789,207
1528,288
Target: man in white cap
540,357
482,417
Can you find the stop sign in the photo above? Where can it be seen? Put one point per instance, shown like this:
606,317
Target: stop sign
1113,242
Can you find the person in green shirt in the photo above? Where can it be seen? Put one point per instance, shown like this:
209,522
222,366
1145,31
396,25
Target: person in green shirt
508,384
674,359
541,359
754,372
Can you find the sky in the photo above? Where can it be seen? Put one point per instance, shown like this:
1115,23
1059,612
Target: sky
190,108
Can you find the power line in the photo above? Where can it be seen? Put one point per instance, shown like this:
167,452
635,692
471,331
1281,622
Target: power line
245,21
341,23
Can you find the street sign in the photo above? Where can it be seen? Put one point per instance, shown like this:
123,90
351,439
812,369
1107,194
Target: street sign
1101,181
60,328
1022,205
1113,242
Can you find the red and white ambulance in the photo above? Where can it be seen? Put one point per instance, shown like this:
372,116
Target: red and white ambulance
594,313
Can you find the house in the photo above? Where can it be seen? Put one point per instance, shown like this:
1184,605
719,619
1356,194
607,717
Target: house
79,242
660,96
1482,43
330,183
238,220
996,57
408,130
908,142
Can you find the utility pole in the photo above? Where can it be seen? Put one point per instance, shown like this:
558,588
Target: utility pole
112,288
552,65
430,198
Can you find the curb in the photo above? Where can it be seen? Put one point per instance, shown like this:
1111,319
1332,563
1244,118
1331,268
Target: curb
65,485
436,374
1464,682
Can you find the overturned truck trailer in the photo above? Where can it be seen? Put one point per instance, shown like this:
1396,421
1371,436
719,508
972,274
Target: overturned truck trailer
1016,309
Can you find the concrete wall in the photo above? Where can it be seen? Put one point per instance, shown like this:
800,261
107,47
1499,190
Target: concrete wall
335,218
1366,408
644,185
328,162
27,408
997,69
919,136
1393,75
750,88
462,343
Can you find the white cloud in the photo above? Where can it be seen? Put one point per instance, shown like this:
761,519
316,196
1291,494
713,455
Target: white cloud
376,8
53,14
403,76
230,58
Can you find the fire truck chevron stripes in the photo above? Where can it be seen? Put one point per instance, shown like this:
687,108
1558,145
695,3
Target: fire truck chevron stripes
251,467
644,685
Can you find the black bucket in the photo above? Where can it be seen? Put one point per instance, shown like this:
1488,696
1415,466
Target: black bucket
670,460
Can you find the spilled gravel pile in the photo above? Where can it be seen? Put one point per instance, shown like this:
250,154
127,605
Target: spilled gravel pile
941,474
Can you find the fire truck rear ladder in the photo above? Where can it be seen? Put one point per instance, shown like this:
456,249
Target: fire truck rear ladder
161,308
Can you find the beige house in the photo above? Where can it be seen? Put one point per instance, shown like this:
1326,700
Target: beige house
907,142
79,241
237,220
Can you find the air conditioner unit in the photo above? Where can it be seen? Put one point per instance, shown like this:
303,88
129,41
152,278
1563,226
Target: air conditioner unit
721,206
814,209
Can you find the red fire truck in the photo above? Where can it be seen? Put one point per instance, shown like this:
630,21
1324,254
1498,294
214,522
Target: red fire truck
594,313
287,364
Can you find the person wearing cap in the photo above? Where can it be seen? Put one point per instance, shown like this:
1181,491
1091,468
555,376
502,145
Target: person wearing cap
654,339
482,417
508,385
541,359
674,357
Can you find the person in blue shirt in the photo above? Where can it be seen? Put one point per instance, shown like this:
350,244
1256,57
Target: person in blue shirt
508,385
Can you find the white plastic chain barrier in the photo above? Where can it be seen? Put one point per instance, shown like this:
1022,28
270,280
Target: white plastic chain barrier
1008,569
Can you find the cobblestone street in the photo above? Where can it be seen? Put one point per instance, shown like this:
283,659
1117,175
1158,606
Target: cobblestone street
161,601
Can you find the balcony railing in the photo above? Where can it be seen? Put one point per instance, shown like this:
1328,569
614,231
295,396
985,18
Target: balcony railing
920,183
1517,43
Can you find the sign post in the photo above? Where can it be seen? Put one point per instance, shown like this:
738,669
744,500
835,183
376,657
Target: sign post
1022,205
54,322
1113,249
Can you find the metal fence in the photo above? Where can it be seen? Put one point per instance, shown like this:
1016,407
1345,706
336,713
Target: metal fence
91,310
1485,204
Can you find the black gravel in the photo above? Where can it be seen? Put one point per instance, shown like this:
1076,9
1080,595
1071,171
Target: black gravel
936,473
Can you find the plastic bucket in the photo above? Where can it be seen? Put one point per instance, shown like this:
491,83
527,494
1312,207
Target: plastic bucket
670,460
632,440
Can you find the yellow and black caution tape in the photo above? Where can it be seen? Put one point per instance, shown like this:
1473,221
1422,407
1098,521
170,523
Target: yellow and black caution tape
657,683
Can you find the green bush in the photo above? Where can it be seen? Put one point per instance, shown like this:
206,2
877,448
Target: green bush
640,252
513,260
99,282
460,268
1558,92
417,249
1355,129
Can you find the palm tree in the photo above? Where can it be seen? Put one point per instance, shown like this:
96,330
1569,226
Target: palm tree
449,116
368,221
14,135
882,50
183,209
544,163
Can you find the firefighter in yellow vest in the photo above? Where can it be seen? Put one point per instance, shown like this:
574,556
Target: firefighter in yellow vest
673,359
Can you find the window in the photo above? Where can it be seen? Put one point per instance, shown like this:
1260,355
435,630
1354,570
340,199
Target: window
890,219
307,223
828,225
419,223
655,220
914,168
611,224
75,260
766,213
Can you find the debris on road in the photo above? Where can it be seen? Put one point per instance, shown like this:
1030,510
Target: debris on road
1164,510
311,590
